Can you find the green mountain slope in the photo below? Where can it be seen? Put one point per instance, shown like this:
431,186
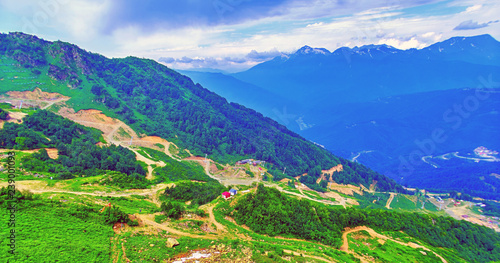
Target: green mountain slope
270,212
156,100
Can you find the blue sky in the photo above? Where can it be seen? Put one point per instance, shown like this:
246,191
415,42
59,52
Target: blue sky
234,35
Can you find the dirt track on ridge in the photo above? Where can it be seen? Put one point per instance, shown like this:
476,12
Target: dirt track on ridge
345,242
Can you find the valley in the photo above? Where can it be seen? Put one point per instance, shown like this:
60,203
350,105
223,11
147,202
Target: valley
397,131
220,237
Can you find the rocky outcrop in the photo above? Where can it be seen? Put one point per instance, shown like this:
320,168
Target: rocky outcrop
172,242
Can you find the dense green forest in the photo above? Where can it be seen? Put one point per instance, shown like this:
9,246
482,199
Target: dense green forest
3,114
125,181
156,100
197,193
468,172
268,211
76,145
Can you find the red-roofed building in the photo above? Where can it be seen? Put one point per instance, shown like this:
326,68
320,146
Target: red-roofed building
226,195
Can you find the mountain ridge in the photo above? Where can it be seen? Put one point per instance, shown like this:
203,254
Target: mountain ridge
325,87
156,100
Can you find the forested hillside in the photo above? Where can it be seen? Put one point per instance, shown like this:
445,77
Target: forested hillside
270,212
156,100
78,153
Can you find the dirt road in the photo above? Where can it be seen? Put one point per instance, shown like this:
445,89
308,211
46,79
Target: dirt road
345,244
303,254
32,186
147,219
388,205
219,226
300,195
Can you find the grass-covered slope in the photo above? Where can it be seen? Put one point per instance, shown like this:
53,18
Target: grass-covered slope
156,100
48,231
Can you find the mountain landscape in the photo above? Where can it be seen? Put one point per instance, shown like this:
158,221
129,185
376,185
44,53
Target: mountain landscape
377,105
127,160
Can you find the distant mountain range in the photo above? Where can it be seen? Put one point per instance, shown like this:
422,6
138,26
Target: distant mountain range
316,76
376,101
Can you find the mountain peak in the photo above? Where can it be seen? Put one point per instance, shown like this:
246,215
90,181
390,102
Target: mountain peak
481,49
309,50
474,41
484,37
377,47
368,50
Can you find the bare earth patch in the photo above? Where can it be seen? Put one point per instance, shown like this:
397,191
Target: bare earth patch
36,94
35,98
347,189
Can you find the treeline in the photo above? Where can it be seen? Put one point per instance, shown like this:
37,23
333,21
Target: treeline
310,181
177,170
268,211
19,137
76,145
3,114
134,181
197,193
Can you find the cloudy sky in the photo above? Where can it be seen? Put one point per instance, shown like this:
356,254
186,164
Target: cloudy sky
233,35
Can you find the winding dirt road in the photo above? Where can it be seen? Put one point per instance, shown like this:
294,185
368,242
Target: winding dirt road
219,226
345,244
388,204
147,219
31,186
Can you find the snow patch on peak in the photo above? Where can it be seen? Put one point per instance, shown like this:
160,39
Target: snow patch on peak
310,50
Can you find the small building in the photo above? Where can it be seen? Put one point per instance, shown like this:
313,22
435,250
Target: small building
243,162
226,195
233,191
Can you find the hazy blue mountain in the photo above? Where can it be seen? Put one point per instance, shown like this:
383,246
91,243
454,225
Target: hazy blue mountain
482,49
375,71
372,103
235,90
389,133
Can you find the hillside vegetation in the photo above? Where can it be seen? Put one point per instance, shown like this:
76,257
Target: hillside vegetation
270,212
76,145
156,100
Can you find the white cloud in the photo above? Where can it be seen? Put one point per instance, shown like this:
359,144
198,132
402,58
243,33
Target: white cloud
402,44
473,8
84,19
318,23
374,26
